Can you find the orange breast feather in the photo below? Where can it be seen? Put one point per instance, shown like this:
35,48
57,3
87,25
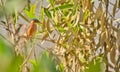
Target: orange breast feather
31,30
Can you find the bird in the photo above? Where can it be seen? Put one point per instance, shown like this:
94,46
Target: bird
32,28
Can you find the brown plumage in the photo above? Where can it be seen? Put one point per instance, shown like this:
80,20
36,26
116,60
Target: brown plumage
32,28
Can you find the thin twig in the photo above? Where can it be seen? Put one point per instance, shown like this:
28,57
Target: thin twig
28,56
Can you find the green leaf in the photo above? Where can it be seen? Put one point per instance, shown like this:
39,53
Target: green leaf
33,62
31,13
46,54
82,59
5,48
80,28
61,29
52,2
86,14
95,65
61,67
14,15
32,9
15,64
9,61
45,64
42,14
66,6
47,13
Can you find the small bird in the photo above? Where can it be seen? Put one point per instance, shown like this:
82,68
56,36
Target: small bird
32,28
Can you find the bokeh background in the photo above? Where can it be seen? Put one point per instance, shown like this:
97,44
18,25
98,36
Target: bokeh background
74,36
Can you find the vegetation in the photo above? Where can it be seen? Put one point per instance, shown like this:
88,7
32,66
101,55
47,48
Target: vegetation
72,36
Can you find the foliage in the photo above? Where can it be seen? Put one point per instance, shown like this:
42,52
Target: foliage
45,64
96,65
9,61
84,35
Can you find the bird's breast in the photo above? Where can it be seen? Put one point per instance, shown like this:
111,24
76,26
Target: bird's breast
31,30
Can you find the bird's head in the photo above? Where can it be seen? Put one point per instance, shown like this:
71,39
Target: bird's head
35,20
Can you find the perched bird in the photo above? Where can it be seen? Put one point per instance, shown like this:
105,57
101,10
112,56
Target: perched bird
32,28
